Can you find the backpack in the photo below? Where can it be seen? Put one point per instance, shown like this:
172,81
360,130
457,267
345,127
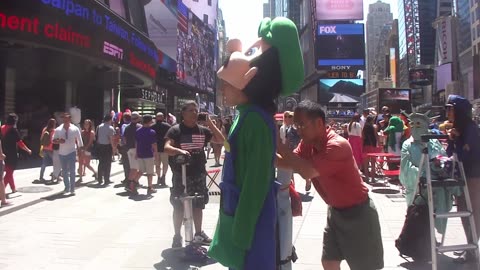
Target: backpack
414,239
45,140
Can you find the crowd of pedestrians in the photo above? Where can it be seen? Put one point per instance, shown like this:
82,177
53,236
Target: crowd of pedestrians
147,145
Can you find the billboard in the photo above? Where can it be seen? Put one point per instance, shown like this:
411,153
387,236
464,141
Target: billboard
421,76
340,47
396,99
196,51
88,29
340,90
444,76
161,18
444,40
338,10
393,67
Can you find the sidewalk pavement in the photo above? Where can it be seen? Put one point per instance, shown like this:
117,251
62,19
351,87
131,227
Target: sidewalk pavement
30,191
103,228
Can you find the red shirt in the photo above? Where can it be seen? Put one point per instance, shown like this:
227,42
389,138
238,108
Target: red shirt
339,183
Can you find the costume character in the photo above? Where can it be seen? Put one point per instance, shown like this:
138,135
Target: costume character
394,130
409,168
245,236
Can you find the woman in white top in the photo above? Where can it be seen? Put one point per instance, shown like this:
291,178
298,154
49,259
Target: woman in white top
355,139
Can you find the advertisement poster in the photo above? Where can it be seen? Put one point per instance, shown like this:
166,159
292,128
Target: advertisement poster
340,90
88,29
335,10
444,40
162,23
396,99
196,51
340,47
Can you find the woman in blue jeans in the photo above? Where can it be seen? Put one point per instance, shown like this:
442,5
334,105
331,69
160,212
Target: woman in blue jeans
46,141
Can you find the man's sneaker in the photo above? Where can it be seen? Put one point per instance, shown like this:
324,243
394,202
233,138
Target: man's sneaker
151,190
202,239
177,241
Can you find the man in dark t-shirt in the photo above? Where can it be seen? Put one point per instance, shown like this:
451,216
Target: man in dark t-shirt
161,158
189,138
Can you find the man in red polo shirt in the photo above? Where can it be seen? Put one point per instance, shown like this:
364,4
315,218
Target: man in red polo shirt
353,229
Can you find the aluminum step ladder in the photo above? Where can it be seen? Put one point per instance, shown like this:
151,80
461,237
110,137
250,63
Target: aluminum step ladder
451,182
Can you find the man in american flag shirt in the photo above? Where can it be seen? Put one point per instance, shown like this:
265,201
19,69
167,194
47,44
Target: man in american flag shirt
189,138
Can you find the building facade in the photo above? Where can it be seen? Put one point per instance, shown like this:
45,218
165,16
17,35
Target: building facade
379,21
54,61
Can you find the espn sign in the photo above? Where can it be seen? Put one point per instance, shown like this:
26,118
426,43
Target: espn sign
113,50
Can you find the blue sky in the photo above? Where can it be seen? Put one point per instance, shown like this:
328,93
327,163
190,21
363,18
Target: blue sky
243,17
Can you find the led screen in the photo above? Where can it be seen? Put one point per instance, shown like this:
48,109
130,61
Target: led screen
335,10
340,47
82,27
196,51
340,90
396,99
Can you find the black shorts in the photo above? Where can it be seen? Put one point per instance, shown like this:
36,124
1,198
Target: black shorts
196,185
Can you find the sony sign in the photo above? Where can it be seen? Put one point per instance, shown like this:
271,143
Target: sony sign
112,50
340,67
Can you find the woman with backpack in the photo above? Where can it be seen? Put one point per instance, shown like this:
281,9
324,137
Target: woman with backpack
47,146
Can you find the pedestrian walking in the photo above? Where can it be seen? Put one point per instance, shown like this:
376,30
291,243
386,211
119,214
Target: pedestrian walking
47,146
105,145
3,195
130,144
11,142
85,153
69,138
161,158
127,117
146,146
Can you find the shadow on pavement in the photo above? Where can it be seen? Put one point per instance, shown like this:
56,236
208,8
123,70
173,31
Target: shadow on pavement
140,197
156,186
137,198
306,197
96,185
118,186
385,191
174,259
444,263
57,196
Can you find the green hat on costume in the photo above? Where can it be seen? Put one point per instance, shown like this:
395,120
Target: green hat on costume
282,34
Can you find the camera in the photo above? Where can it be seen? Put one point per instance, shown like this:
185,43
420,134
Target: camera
202,117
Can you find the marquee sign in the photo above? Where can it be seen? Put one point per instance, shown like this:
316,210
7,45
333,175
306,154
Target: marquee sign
83,27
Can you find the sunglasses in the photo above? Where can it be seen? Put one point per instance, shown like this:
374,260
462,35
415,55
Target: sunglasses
289,116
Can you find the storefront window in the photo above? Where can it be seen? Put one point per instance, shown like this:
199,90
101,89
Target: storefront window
118,7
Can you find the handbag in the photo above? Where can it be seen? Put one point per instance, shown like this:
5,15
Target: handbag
295,200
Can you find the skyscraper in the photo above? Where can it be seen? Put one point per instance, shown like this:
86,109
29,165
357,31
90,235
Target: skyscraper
416,35
445,8
379,15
